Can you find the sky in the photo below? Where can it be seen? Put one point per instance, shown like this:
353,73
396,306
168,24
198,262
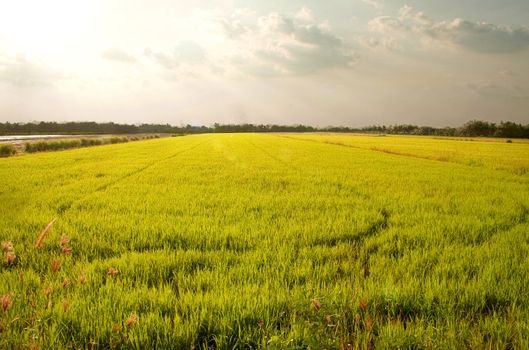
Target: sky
335,62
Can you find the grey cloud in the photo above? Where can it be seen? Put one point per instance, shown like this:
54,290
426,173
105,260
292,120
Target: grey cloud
507,73
21,72
474,36
283,44
481,37
232,28
497,89
376,4
115,54
387,24
186,52
320,52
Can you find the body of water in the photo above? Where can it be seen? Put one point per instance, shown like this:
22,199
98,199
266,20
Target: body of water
30,137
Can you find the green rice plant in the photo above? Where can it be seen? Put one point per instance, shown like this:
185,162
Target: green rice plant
265,241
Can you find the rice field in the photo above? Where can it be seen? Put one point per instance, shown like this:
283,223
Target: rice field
286,241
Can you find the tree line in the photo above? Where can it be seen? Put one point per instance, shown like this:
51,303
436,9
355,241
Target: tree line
473,128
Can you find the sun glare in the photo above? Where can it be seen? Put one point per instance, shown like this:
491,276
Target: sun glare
36,26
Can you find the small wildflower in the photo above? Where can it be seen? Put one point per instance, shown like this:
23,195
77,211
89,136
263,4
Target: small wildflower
358,318
48,291
112,272
116,328
363,304
131,321
315,304
6,246
65,282
368,323
64,241
65,305
10,258
6,302
55,265
82,278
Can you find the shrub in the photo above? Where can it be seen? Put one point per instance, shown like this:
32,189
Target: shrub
114,140
90,142
42,146
7,150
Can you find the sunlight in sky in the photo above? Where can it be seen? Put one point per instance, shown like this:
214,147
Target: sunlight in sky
46,28
345,62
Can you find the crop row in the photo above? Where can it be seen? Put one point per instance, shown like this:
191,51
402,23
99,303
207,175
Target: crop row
253,241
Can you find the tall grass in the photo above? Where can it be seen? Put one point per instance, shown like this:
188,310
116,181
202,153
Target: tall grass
260,241
7,150
42,146
43,234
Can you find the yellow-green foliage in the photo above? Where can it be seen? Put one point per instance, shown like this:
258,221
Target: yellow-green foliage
486,152
250,241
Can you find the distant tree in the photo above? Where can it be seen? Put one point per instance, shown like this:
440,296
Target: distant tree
404,129
472,128
478,128
509,130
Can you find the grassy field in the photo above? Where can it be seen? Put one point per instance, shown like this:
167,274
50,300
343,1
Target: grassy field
281,241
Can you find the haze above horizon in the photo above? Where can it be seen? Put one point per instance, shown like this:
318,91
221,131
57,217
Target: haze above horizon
351,63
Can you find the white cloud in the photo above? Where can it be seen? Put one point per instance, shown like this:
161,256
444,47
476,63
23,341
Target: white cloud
376,4
387,24
185,52
21,72
279,44
244,42
305,14
458,33
115,54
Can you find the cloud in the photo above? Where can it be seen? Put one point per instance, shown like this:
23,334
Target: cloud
279,44
118,55
245,42
387,24
21,72
497,89
305,14
376,4
481,37
478,37
185,52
